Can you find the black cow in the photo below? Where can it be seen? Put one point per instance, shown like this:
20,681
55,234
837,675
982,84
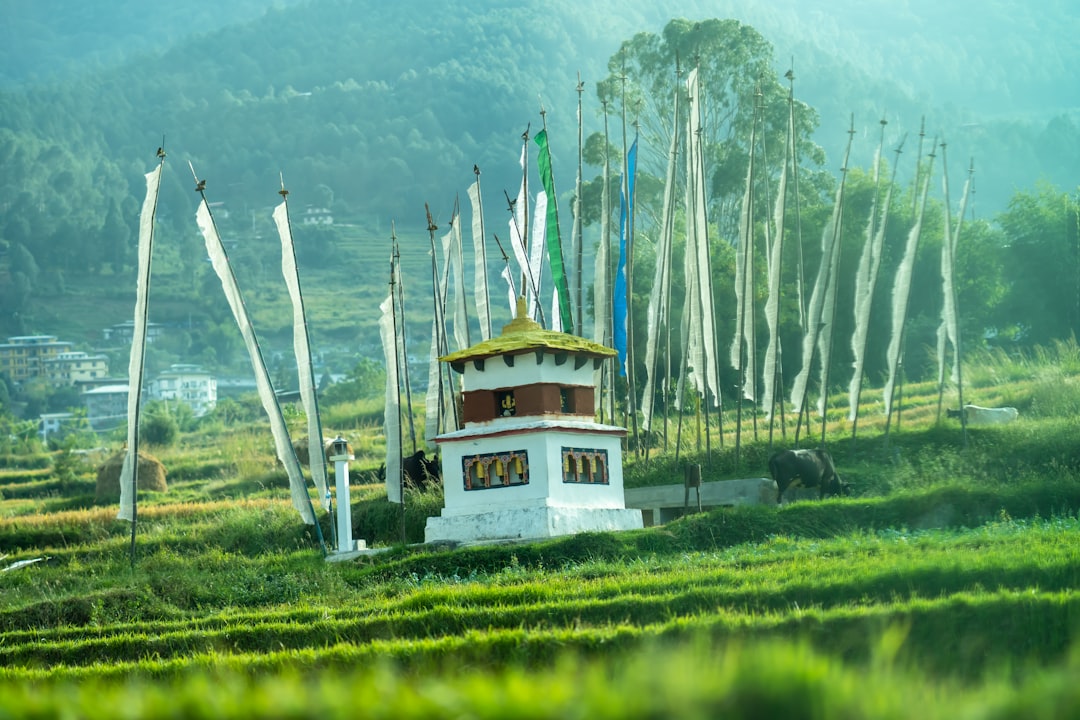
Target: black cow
806,468
419,470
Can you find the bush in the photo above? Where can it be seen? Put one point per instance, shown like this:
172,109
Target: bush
367,380
379,522
160,429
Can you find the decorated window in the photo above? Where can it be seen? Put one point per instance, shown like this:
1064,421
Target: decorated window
585,465
491,470
506,404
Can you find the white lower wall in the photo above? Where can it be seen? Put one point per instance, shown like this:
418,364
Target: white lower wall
544,507
527,523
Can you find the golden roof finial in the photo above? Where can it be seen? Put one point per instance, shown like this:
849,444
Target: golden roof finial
521,322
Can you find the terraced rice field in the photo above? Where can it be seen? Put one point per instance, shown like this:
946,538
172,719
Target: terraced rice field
947,586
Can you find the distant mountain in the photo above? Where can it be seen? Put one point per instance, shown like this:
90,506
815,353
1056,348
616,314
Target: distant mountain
52,39
390,105
997,58
374,109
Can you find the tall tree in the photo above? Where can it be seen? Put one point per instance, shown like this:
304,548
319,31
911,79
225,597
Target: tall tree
734,61
1042,264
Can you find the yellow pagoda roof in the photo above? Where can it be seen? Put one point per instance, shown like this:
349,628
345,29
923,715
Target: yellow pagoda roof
522,335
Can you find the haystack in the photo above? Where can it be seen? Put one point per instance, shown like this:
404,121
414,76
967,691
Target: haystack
303,451
151,476
303,455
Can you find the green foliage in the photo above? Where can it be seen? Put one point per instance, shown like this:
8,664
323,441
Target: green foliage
735,64
67,466
24,460
1042,264
886,600
367,380
18,438
379,522
159,427
662,678
256,80
230,412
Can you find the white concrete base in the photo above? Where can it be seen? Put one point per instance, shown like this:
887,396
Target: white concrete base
359,548
660,504
534,522
748,491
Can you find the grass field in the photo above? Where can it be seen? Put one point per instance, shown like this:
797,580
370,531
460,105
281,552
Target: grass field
946,586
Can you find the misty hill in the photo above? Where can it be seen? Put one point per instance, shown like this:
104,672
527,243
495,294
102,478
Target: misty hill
390,107
374,109
49,39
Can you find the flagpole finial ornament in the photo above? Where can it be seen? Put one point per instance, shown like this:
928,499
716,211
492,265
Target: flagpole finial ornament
431,226
476,170
200,185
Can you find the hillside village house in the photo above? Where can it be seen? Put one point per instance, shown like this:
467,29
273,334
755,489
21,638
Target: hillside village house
54,423
317,216
43,356
69,368
23,357
187,383
106,406
124,332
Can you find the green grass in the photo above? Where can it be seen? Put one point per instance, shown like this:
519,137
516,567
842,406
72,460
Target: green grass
662,679
950,575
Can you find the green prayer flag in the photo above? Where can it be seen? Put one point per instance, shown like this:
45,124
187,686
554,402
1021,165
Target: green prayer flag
553,239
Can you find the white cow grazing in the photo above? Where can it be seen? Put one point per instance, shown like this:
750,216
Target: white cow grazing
977,415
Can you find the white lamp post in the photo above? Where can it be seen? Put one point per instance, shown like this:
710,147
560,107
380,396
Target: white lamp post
339,453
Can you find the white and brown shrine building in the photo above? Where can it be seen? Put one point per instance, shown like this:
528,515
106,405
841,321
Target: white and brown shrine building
530,461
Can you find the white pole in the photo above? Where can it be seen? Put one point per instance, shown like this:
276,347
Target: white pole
340,456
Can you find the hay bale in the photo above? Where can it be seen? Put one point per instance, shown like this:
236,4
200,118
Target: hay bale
303,451
151,476
303,454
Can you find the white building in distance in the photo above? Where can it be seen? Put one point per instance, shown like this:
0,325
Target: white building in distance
75,366
106,406
186,383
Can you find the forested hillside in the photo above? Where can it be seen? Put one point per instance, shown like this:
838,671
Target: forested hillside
373,109
389,109
50,39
